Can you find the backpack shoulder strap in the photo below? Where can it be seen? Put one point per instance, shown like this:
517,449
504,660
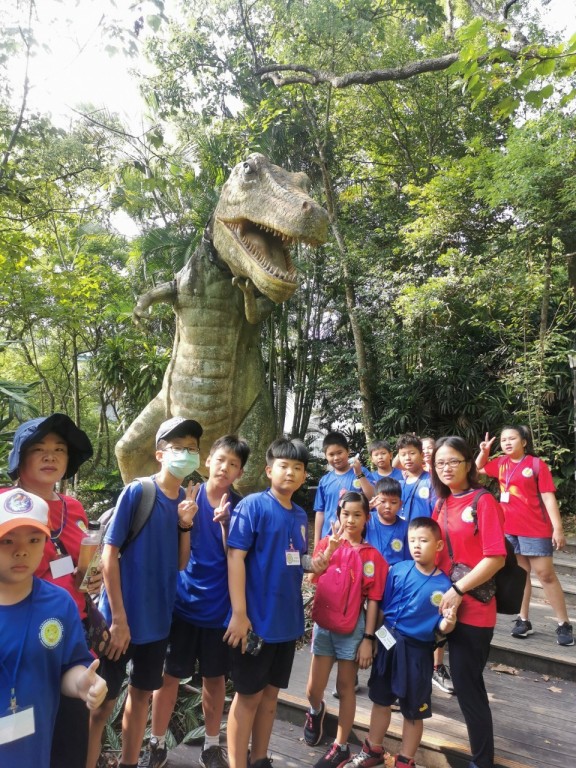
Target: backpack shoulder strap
535,467
477,496
143,511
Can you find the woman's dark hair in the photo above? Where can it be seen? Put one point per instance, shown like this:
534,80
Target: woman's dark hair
458,444
354,496
525,434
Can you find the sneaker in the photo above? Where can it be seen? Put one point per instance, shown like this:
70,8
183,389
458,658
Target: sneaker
368,757
404,762
313,730
522,628
155,756
214,757
264,762
334,758
564,634
442,679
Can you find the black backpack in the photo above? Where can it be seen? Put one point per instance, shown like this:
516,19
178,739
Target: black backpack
140,517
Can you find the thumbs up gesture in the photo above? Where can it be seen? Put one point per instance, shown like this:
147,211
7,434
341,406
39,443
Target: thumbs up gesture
91,687
188,507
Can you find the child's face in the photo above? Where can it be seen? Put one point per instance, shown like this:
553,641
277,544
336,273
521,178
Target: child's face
512,443
388,507
225,468
21,551
423,545
382,459
411,459
286,476
427,449
337,457
44,463
353,517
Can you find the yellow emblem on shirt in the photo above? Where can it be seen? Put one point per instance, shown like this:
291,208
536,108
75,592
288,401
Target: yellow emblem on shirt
467,515
436,598
396,545
51,632
527,472
369,568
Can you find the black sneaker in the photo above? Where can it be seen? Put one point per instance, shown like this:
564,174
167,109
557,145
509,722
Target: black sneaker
564,634
522,628
264,762
313,727
334,758
442,679
214,757
155,756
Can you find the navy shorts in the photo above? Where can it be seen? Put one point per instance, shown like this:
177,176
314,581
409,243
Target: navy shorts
531,547
272,666
189,643
145,668
417,704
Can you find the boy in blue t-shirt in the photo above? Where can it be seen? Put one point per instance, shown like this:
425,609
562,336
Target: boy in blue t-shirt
385,530
44,651
381,457
342,477
418,497
267,546
403,665
202,607
140,587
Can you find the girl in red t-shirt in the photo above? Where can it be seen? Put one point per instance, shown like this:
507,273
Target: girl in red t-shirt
532,521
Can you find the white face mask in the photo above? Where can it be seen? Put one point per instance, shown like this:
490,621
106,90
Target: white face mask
180,463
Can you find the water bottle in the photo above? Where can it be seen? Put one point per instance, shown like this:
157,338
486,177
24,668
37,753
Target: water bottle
89,558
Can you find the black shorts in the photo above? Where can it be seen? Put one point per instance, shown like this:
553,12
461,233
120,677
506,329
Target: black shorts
145,671
272,666
417,704
189,643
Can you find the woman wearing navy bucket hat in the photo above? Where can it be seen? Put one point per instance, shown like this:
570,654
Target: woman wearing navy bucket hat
45,451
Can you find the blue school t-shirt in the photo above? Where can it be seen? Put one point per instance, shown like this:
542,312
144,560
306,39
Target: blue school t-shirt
148,566
264,529
411,600
418,498
47,628
396,474
389,540
328,495
202,595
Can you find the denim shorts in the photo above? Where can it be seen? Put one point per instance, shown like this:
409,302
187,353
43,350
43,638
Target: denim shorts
340,647
531,547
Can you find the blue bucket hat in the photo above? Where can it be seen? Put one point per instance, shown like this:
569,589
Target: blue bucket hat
79,445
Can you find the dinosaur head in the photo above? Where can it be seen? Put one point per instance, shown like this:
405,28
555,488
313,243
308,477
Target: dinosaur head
262,210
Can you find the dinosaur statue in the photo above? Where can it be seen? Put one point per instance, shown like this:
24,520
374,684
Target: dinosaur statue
220,297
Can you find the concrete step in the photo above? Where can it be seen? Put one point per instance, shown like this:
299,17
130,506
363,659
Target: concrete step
565,562
570,544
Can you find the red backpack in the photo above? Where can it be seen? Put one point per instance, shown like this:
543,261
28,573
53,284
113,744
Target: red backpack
338,599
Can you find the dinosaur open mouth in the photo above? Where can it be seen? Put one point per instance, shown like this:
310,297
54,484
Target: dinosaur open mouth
267,246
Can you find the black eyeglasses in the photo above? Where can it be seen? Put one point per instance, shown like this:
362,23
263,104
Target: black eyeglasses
453,463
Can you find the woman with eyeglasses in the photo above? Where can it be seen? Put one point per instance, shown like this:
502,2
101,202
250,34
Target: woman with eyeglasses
472,525
532,521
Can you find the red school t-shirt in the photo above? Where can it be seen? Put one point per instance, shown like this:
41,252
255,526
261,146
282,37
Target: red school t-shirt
470,547
374,568
524,512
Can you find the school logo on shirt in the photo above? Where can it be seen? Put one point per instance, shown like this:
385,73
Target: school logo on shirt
468,515
436,598
51,633
397,545
369,568
356,483
527,472
424,493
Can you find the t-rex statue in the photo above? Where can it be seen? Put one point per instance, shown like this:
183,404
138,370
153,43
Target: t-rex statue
220,297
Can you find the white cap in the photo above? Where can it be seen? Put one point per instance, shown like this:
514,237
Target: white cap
18,507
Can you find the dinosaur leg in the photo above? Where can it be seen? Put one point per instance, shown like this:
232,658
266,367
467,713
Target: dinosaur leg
135,449
259,429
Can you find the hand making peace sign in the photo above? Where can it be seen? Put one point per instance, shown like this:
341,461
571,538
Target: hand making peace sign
188,507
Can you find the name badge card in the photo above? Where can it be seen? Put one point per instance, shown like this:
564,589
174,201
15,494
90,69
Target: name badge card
292,557
386,638
62,566
16,725
505,497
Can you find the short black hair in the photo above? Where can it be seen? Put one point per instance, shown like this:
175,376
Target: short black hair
282,448
335,438
354,496
379,445
389,486
407,441
426,522
234,444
